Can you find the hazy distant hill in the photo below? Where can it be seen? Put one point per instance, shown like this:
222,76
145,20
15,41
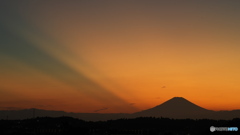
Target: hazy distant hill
31,113
177,107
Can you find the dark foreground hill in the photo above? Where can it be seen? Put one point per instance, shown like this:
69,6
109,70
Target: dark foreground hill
136,126
177,108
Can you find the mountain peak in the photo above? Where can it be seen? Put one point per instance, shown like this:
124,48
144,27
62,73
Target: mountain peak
178,98
176,101
179,102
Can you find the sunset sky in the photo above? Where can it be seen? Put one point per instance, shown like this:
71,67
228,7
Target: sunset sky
118,56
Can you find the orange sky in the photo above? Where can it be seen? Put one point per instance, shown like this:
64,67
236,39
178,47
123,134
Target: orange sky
124,56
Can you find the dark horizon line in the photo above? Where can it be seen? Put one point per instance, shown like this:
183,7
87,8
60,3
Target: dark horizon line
112,113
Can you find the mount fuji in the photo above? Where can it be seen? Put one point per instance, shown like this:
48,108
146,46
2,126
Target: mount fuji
177,107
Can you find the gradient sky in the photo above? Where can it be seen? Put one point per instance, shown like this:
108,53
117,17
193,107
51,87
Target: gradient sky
113,56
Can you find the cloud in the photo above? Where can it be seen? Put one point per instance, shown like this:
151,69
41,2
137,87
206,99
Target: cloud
132,103
105,108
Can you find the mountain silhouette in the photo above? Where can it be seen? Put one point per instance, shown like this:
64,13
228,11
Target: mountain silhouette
177,108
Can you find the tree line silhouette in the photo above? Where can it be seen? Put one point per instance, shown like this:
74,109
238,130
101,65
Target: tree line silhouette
136,126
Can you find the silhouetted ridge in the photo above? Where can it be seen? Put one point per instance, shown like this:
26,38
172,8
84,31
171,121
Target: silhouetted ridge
177,108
